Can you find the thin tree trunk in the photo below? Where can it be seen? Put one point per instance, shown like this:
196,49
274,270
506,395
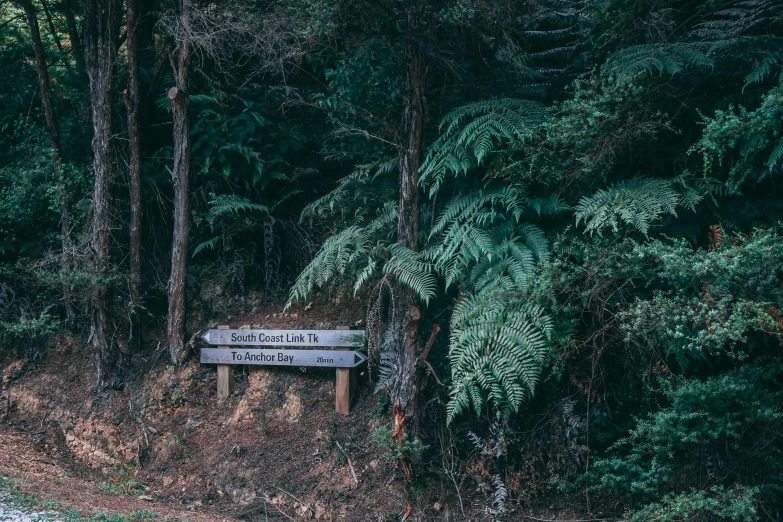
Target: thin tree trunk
53,30
54,137
131,96
73,30
404,392
100,23
180,174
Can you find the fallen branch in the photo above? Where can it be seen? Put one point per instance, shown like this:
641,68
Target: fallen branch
349,462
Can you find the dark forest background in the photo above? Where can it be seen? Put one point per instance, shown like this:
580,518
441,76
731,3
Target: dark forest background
567,211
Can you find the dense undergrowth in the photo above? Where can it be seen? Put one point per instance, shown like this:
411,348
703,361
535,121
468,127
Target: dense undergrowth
599,224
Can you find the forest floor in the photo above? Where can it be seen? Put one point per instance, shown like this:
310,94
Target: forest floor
34,477
274,450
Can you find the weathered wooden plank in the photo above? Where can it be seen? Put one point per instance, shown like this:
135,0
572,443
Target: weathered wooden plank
273,357
342,386
346,338
225,374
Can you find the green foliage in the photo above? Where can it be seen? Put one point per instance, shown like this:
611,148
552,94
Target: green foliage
716,503
124,487
639,202
665,59
345,253
395,449
246,144
223,204
31,328
711,424
471,132
583,137
707,304
745,145
498,342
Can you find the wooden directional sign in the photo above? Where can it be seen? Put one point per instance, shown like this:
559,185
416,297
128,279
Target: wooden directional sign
330,358
284,337
226,355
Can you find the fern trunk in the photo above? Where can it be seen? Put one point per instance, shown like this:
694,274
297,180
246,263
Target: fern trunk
404,391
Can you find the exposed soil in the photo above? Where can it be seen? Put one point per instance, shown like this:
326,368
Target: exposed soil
273,450
40,470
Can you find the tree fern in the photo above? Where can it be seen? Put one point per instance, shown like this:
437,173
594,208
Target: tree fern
665,59
498,341
471,132
638,202
344,253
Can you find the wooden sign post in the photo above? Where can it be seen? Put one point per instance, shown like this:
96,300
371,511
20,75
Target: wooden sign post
228,353
225,377
342,387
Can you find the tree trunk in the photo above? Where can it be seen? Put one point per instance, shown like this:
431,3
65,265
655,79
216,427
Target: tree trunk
56,38
131,96
100,25
180,174
404,391
54,137
73,31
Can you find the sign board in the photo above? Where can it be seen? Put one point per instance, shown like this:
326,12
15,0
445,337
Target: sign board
348,338
328,358
230,353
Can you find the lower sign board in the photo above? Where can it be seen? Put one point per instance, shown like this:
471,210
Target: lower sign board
329,358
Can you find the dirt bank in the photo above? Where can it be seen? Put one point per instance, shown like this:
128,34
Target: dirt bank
274,449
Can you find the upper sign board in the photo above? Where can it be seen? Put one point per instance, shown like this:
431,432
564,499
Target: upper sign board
349,338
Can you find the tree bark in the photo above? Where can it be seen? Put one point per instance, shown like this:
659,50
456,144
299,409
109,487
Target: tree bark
101,22
54,138
56,38
404,392
180,175
73,30
131,97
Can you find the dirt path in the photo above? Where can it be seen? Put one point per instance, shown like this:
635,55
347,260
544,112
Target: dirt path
48,479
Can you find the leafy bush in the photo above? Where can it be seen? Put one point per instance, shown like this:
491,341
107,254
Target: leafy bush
724,431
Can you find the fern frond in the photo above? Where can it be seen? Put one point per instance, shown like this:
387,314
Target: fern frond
638,202
208,244
498,341
665,59
412,271
223,204
471,132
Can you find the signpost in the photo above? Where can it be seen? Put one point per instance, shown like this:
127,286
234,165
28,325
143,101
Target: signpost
227,354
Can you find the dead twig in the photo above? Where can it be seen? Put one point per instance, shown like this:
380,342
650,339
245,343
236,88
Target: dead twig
293,497
353,472
280,510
